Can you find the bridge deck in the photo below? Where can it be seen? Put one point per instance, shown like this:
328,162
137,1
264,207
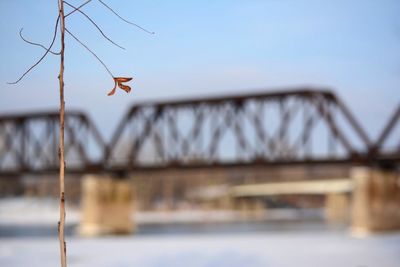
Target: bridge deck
342,185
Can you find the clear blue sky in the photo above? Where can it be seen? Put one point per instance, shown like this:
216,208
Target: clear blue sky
204,48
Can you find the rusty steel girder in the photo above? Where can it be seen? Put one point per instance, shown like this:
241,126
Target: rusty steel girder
29,143
382,147
302,125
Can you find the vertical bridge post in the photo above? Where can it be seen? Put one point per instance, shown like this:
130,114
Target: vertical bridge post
376,200
107,206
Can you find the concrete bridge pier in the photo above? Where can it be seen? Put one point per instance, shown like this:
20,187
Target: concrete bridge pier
337,207
376,200
107,206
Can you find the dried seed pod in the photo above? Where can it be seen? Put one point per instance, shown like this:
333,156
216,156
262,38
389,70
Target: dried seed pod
122,79
118,81
113,90
126,88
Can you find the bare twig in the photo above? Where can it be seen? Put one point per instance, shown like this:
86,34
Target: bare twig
127,21
95,24
79,7
88,49
37,44
44,55
118,81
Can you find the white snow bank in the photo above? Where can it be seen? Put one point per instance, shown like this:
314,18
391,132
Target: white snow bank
43,211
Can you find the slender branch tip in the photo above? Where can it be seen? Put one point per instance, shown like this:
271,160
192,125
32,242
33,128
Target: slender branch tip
125,20
37,44
43,56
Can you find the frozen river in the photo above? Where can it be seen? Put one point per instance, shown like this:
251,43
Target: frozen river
255,249
264,249
30,240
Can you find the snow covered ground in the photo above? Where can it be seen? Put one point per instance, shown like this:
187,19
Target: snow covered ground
236,250
165,245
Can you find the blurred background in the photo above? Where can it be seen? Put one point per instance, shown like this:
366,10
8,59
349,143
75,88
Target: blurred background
252,129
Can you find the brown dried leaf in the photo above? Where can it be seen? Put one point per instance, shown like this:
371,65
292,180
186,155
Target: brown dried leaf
122,79
126,88
113,90
118,81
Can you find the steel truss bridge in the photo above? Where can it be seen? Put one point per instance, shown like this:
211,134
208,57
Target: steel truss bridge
300,126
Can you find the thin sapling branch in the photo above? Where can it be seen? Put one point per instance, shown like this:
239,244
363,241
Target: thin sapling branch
125,20
36,44
95,24
43,56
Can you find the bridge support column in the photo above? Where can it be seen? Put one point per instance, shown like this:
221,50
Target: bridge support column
376,200
337,207
107,206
